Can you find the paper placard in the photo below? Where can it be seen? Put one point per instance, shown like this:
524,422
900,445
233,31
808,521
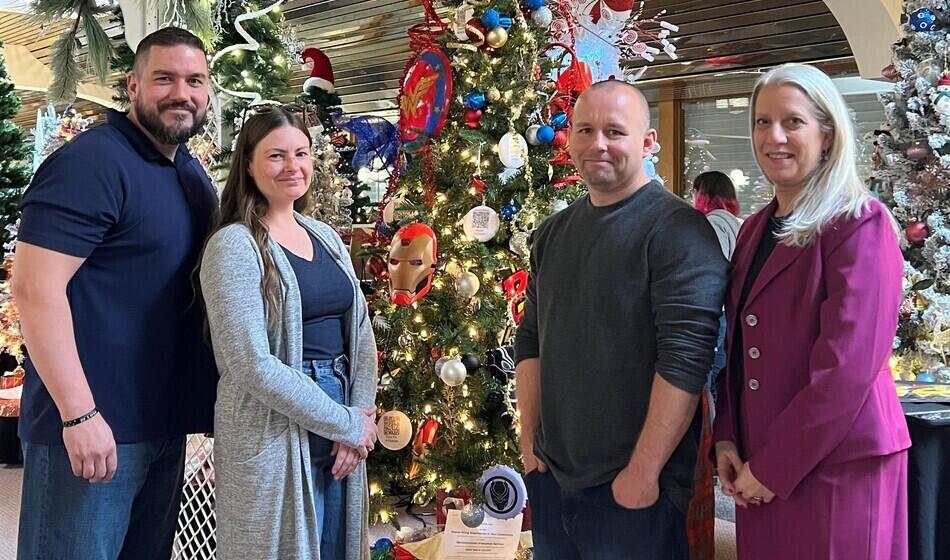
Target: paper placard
494,539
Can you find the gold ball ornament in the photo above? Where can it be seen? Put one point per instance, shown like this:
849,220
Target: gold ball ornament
493,94
496,38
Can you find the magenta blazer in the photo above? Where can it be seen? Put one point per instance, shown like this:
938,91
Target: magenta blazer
818,327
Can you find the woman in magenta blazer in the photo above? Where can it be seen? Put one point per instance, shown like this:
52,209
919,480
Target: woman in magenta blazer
810,438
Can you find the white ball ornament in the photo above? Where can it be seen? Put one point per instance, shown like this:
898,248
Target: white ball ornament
467,284
531,135
453,372
542,17
481,223
394,429
438,366
513,150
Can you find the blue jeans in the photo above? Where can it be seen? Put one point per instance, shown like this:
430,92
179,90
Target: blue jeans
719,362
590,525
133,517
329,494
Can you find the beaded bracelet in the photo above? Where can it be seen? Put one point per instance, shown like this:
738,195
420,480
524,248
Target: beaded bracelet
76,421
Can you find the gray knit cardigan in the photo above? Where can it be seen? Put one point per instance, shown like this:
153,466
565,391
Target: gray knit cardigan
266,406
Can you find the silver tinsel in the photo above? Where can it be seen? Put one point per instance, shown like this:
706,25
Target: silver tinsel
938,141
900,197
891,113
329,188
945,161
897,343
220,15
915,121
935,220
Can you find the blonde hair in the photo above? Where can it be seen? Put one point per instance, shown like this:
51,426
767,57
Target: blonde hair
834,188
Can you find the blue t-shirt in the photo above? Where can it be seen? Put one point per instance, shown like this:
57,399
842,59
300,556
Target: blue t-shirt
325,296
139,221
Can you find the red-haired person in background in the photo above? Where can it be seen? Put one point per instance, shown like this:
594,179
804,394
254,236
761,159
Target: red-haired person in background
715,196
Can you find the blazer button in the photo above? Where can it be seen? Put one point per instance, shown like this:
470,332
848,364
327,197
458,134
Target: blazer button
754,353
754,384
751,320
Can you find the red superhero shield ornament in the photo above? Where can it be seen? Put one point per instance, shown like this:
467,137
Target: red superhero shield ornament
412,260
515,286
424,105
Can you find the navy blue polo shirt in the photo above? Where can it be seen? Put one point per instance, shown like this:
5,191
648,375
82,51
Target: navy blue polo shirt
139,220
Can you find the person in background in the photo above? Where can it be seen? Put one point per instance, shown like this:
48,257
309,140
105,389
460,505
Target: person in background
117,369
715,196
295,348
809,434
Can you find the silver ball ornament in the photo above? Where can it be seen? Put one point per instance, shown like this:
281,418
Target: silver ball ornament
472,516
467,284
531,135
542,17
438,366
519,243
453,372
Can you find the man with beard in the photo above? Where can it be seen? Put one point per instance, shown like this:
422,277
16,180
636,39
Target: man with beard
117,370
620,323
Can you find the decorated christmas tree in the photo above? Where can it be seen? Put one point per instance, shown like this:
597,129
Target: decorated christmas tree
14,152
253,63
334,178
482,162
14,178
912,168
699,159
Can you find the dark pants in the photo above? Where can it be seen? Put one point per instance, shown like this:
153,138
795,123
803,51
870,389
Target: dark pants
590,525
133,517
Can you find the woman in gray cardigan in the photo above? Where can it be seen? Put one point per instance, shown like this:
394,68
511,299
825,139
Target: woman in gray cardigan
294,417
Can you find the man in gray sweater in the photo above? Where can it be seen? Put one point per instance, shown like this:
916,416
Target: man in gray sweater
618,334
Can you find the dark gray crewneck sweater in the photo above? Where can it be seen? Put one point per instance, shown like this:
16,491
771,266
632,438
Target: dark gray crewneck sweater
616,294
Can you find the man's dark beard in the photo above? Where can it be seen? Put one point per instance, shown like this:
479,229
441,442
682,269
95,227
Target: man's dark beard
151,121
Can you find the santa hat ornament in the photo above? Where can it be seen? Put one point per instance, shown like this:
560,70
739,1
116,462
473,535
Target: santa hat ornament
321,75
944,80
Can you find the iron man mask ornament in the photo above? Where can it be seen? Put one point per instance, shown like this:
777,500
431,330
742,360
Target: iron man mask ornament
412,261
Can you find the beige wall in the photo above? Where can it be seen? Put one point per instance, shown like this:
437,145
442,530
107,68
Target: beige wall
871,26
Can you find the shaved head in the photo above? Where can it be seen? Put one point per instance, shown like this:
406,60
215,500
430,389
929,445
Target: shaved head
610,135
622,88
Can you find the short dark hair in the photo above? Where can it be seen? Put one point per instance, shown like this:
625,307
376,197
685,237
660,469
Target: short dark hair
165,37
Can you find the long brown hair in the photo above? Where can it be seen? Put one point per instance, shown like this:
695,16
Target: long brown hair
242,201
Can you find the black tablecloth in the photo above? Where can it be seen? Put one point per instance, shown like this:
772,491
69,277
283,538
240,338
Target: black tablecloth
9,442
928,480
